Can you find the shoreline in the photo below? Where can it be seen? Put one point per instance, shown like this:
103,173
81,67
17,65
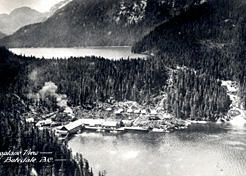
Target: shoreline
100,129
124,116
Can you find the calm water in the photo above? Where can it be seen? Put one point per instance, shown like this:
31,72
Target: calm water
106,52
200,150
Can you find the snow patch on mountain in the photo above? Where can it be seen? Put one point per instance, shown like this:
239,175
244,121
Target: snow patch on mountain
58,6
65,3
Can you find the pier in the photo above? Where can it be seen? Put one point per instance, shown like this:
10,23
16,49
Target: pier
96,125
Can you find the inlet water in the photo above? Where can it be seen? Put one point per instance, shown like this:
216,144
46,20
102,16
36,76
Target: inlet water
201,150
113,53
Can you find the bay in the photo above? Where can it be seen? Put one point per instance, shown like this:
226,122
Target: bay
201,150
113,53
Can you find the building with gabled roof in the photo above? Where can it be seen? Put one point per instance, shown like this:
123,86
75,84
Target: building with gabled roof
72,127
110,124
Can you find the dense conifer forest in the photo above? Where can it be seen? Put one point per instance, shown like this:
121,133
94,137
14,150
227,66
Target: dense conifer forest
209,38
197,96
90,80
191,54
18,136
192,93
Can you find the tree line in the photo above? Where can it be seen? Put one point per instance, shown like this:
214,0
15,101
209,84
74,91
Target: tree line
90,80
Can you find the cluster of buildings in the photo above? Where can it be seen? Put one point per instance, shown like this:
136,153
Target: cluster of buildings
122,116
88,124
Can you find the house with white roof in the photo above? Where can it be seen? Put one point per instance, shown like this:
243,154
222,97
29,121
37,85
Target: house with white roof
110,124
46,122
30,120
92,122
129,110
119,111
72,127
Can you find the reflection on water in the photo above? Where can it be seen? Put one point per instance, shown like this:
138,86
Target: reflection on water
106,52
201,150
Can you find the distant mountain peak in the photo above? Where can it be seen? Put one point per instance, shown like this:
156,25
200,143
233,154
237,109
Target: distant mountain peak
24,9
19,17
97,23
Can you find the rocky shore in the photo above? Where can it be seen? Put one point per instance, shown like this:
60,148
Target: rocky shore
236,114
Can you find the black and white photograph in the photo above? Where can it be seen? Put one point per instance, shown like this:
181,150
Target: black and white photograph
122,87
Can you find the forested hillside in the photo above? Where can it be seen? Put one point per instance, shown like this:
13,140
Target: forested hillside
215,23
179,41
98,23
90,80
18,136
209,38
198,44
196,95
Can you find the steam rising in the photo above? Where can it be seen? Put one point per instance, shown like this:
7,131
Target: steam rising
49,90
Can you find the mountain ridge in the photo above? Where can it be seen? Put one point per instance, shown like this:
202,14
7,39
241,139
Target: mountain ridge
220,22
18,18
96,23
2,35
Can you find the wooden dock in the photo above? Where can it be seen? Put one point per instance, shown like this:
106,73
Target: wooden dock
135,129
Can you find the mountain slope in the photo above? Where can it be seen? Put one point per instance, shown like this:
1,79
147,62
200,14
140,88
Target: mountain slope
97,22
2,35
57,6
19,18
215,23
209,39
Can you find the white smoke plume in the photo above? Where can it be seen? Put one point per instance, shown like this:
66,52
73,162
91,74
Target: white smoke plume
34,97
49,89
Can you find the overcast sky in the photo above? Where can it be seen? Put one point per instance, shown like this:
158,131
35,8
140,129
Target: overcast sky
6,6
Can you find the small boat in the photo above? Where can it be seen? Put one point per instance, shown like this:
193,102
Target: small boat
158,130
114,131
100,130
79,131
121,129
136,129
